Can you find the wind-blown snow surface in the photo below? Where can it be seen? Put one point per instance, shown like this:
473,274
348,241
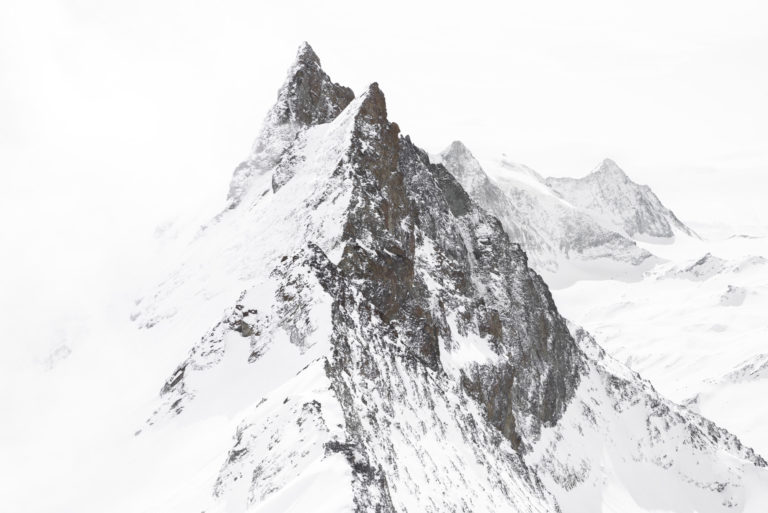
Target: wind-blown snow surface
355,334
695,326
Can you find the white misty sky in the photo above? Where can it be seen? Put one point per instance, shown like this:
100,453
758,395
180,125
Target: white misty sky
117,116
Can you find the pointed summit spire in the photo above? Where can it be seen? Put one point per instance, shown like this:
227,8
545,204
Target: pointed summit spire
307,55
609,167
309,96
457,148
374,104
460,162
609,164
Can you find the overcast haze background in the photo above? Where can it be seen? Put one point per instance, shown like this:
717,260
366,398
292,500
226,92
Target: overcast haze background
119,117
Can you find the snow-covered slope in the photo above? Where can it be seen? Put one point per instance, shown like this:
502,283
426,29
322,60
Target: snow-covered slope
695,326
563,242
621,447
621,205
381,345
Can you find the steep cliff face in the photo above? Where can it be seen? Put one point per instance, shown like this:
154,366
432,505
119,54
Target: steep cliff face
388,349
621,204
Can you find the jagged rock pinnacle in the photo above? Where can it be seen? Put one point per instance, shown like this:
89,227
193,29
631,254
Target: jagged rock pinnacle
309,96
307,55
374,105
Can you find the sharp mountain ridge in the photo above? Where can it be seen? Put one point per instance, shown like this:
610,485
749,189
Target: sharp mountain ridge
386,347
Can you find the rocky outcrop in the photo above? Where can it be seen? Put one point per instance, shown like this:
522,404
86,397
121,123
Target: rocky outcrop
391,343
308,97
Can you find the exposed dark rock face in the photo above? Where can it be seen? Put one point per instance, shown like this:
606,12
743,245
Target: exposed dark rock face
501,298
308,97
378,230
400,201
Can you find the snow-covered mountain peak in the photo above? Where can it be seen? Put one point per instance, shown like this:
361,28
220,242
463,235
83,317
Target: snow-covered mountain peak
620,204
458,149
384,345
463,165
608,168
561,240
308,97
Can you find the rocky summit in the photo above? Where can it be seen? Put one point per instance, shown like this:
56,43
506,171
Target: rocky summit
385,346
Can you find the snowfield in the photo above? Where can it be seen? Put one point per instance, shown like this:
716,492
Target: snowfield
696,327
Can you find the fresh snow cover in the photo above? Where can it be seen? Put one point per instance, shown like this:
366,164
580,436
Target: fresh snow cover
565,241
287,430
576,473
279,432
596,459
511,174
695,327
236,246
214,391
692,322
621,205
465,350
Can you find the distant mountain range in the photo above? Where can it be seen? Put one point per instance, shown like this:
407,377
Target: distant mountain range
570,228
